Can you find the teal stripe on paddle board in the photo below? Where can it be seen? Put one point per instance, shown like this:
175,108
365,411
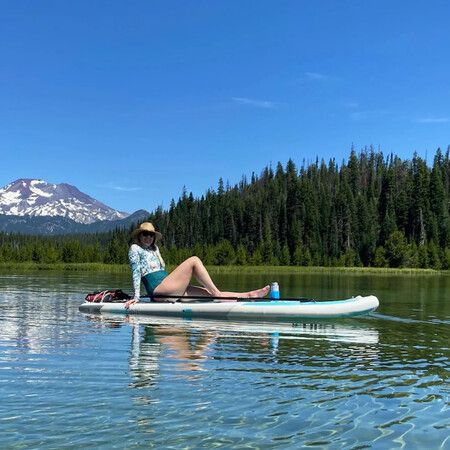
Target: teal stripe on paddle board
293,302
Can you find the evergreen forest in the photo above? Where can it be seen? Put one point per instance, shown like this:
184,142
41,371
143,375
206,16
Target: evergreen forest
371,210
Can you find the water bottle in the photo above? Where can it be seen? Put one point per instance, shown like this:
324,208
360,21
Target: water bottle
274,291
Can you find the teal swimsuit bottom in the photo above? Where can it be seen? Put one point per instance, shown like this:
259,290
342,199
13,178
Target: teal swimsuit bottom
153,279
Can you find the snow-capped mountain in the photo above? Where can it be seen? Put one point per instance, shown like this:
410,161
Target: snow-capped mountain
28,197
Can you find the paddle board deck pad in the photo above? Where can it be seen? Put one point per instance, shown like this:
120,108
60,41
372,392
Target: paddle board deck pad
248,310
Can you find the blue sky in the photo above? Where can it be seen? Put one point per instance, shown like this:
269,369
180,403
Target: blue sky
131,101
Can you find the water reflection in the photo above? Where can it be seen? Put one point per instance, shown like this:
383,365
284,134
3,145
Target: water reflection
151,342
362,331
154,340
188,343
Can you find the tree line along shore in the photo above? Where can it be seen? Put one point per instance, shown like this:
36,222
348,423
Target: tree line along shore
371,211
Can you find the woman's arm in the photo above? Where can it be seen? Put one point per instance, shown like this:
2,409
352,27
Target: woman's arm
163,264
134,259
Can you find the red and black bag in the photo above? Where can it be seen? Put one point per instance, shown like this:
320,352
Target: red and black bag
110,295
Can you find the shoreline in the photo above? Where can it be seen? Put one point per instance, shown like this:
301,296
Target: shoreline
231,269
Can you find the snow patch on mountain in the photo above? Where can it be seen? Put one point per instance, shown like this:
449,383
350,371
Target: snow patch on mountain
31,197
38,191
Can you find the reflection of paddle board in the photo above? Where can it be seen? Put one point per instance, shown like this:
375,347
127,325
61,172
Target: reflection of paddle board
349,332
290,310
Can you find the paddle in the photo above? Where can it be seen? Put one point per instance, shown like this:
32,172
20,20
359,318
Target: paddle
118,296
237,299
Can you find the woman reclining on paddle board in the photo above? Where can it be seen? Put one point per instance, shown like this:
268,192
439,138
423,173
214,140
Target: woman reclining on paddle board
147,264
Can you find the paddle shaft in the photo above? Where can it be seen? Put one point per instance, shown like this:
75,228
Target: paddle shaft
238,299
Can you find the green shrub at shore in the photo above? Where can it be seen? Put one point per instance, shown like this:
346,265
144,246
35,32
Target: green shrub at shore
229,269
86,267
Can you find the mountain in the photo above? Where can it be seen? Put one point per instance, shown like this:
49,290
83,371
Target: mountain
29,197
31,206
47,225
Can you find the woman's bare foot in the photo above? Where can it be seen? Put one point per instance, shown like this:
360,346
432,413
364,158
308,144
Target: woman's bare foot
233,296
259,293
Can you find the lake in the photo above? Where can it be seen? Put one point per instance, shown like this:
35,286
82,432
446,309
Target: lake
70,380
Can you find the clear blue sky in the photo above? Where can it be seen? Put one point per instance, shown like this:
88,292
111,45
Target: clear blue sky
130,101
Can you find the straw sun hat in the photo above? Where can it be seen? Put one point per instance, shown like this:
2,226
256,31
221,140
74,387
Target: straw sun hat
146,226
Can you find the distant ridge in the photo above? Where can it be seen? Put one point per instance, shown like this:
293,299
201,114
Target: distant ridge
46,225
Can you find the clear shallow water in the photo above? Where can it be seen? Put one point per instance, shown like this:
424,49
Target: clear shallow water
69,380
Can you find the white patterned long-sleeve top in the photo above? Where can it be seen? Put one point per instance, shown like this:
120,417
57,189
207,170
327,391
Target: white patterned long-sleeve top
143,261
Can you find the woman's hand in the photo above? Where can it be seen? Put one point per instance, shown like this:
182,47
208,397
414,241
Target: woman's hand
131,302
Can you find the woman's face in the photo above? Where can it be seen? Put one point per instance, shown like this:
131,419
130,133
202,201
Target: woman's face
147,238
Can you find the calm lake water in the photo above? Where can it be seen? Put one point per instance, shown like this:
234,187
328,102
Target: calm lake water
69,380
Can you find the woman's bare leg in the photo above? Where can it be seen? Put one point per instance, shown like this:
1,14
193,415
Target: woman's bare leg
202,292
177,282
197,291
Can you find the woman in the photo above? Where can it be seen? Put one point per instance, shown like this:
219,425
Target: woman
147,264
